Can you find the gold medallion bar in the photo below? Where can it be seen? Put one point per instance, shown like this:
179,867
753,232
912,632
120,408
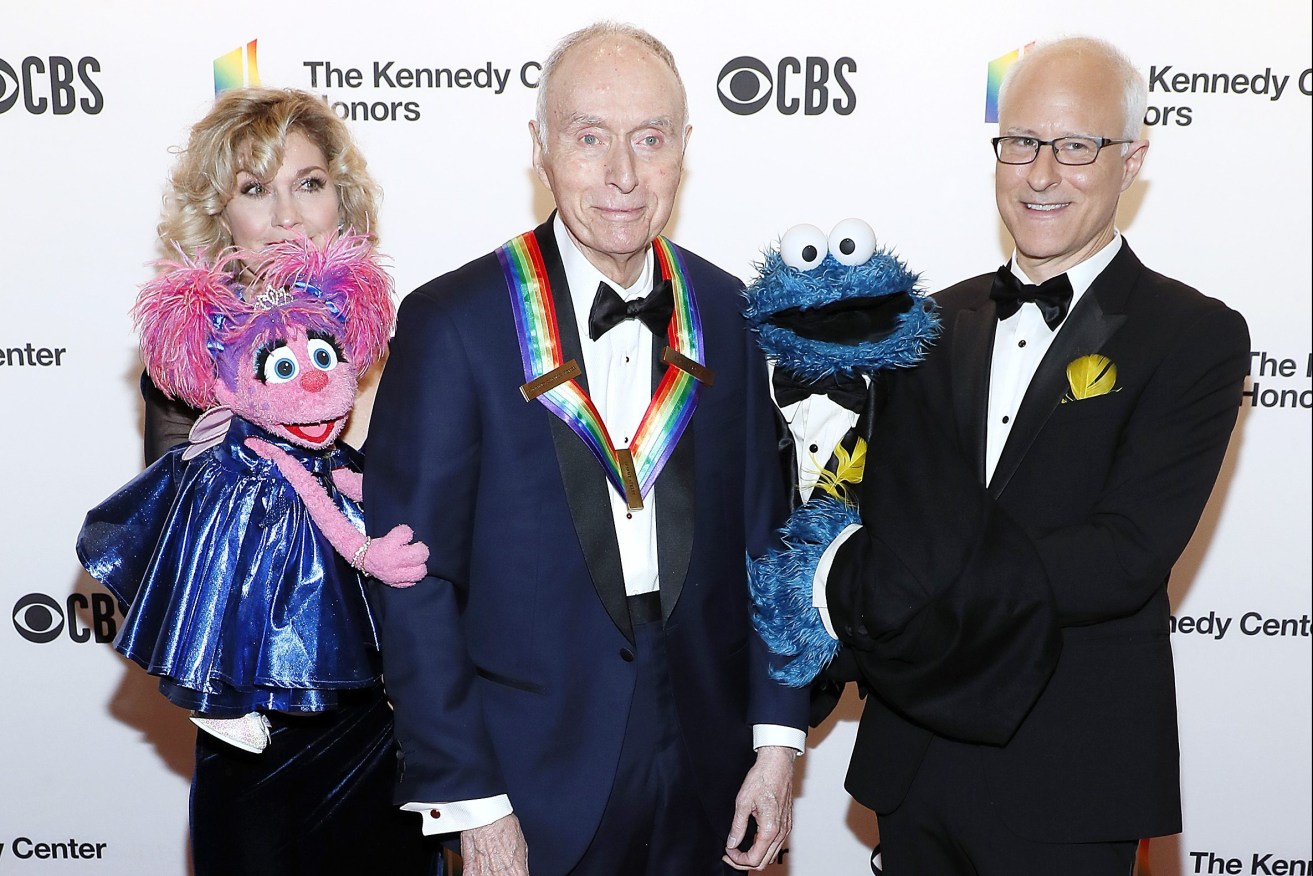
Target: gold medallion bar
701,373
550,380
629,477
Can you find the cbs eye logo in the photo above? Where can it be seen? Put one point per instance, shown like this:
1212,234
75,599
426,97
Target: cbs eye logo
41,619
54,84
745,85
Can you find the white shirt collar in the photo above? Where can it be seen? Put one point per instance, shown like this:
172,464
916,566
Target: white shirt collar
1082,275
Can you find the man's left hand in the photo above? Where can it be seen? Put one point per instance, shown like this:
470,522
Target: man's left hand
766,796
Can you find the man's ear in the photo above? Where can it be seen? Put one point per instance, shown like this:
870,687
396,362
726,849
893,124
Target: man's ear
538,154
1133,161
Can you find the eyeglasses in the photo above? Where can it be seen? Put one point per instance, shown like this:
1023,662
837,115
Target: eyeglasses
1067,150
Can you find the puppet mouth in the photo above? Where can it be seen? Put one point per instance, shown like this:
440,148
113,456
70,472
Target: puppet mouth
848,321
315,433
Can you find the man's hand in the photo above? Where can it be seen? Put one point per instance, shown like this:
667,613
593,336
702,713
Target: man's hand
767,796
496,849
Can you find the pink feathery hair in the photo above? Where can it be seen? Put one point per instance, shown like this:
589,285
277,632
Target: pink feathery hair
196,326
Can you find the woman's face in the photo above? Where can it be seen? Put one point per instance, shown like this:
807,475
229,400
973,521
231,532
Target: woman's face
300,199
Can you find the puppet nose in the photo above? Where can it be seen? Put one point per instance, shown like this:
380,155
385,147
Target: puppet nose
313,381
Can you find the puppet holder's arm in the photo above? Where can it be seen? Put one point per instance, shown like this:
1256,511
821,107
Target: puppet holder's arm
395,559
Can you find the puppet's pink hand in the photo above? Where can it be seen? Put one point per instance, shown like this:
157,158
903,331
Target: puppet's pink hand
350,483
396,559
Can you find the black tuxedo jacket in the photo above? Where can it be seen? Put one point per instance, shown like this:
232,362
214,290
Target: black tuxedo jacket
510,665
1031,614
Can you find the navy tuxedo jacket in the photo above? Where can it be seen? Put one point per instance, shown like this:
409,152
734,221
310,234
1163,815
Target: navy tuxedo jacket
510,664
1034,609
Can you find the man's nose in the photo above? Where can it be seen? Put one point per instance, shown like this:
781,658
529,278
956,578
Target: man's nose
620,169
1044,171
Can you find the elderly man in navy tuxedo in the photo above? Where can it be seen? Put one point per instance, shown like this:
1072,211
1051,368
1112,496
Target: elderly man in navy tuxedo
579,427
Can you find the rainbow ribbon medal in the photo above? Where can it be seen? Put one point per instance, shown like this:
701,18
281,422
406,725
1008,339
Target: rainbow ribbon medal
632,472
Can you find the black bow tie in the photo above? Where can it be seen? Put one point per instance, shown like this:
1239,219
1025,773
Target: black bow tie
1053,296
850,392
653,310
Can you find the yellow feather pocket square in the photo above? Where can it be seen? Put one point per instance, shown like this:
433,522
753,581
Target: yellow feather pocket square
1089,377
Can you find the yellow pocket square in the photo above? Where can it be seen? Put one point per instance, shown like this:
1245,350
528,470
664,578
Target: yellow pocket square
1090,376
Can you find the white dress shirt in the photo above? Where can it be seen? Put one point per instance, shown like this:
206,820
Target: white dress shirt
817,424
1020,342
619,369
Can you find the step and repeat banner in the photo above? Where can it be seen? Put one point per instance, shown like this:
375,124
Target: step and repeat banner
801,113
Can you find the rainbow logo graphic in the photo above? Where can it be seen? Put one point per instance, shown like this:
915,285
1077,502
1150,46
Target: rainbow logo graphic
994,79
236,69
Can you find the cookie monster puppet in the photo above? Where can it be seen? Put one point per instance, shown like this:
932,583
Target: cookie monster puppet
830,313
240,556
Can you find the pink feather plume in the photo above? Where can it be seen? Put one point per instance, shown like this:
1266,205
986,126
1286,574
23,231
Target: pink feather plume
174,318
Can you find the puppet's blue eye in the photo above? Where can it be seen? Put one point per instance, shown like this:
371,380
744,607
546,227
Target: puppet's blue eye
852,242
279,366
322,354
803,247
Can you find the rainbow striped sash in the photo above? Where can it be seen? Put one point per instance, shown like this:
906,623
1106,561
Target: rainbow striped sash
632,472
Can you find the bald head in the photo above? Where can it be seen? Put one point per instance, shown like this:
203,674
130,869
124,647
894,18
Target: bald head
592,38
1091,58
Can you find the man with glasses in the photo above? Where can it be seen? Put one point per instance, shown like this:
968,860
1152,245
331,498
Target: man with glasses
1033,482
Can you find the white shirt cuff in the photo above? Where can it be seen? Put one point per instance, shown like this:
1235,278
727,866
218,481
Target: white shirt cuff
778,734
462,815
822,577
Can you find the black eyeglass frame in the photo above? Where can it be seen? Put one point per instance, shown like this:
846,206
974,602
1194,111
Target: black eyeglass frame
1099,143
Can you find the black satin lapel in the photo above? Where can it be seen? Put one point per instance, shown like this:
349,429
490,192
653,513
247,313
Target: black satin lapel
973,345
1085,331
674,491
585,483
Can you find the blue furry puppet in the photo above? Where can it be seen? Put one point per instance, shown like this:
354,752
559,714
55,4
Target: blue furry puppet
830,314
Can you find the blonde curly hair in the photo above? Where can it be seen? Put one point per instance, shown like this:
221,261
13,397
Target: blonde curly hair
247,129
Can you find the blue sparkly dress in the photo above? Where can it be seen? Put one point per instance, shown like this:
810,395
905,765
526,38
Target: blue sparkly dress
235,599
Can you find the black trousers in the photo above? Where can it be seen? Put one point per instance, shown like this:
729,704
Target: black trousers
949,825
654,824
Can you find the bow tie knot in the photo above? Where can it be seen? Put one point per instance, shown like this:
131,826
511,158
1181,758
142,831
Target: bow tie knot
609,309
1052,297
850,392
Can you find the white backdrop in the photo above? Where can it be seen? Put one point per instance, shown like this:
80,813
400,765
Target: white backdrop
94,94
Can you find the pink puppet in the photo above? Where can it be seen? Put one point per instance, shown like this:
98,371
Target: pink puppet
239,555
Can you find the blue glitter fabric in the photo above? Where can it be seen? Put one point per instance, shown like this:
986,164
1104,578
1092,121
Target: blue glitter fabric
234,597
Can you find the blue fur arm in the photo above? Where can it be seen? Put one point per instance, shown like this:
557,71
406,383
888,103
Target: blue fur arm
781,586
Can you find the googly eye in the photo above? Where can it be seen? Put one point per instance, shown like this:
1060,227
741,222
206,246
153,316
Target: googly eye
803,247
279,366
322,354
852,242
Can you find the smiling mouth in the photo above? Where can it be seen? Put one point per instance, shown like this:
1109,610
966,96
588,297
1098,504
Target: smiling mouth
315,433
1045,208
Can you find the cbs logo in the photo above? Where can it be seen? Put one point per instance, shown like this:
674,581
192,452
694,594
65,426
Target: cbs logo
52,84
40,618
745,85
